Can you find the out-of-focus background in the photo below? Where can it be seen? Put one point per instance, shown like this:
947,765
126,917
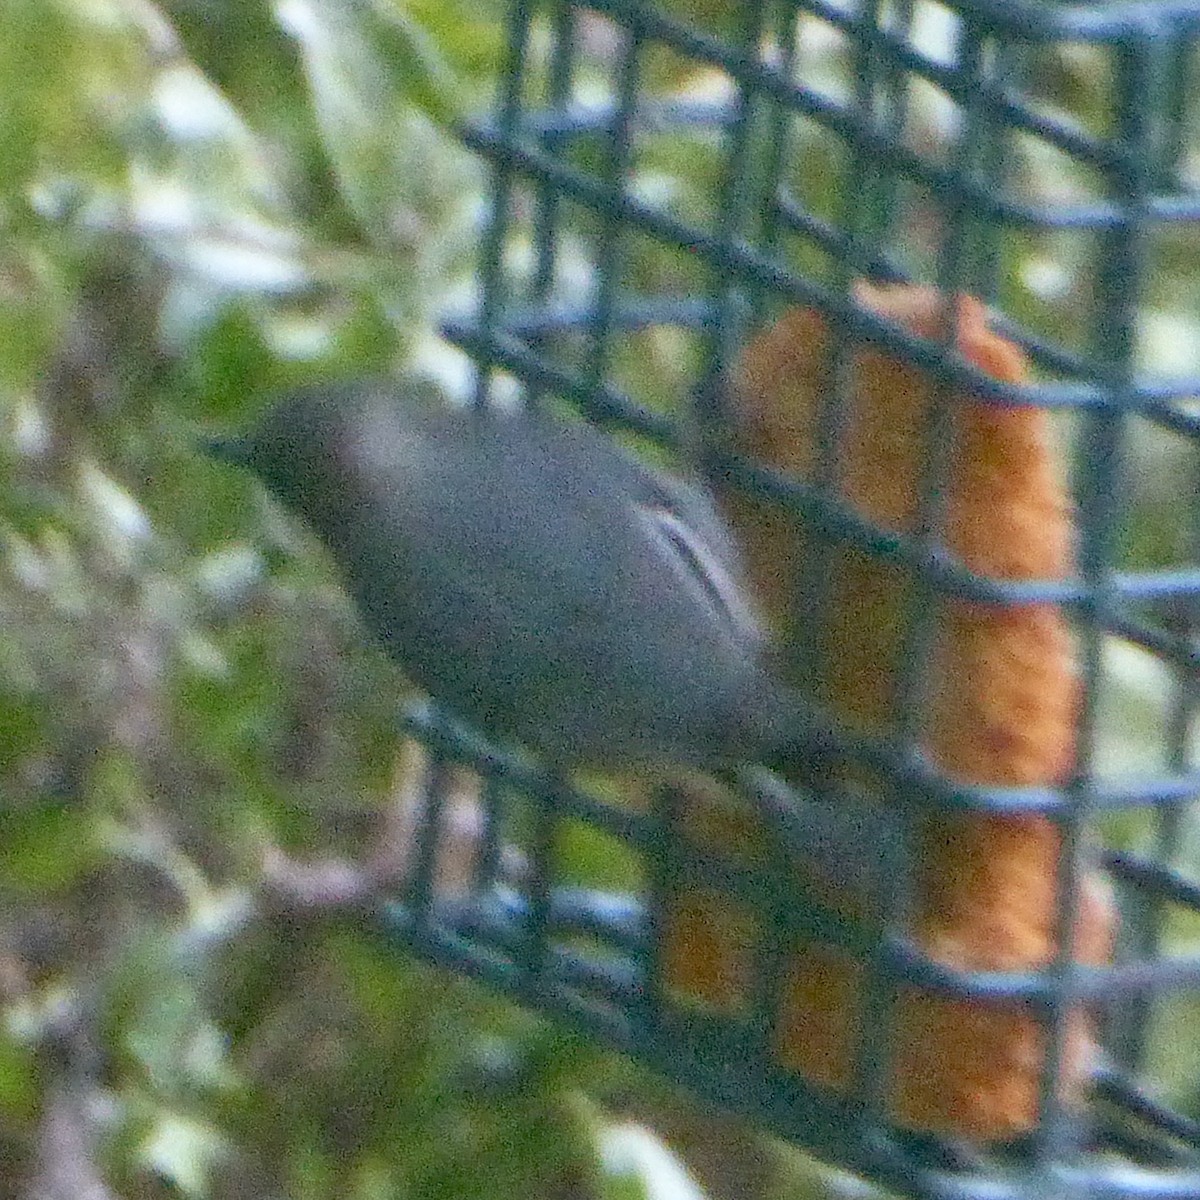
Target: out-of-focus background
200,778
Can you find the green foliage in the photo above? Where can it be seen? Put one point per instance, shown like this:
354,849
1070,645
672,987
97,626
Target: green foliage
42,849
18,1081
204,203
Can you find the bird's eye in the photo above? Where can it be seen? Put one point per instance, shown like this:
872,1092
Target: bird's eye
687,553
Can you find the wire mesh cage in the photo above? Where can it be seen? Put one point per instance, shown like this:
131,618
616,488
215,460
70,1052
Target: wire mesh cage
956,950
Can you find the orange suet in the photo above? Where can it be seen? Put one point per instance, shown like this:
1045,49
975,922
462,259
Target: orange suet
1000,699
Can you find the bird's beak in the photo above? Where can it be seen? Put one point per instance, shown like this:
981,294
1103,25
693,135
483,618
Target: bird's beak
234,450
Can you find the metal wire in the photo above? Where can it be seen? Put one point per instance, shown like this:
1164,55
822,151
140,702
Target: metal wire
567,180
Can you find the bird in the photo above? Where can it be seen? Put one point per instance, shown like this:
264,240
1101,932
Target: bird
532,577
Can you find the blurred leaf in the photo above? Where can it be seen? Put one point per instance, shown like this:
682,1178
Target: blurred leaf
28,324
470,32
415,57
45,847
22,725
182,1151
242,49
19,1084
49,136
366,76
233,361
591,858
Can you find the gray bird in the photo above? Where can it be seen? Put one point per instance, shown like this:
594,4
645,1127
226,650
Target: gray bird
529,575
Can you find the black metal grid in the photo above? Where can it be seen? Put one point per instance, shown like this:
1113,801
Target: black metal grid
573,182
